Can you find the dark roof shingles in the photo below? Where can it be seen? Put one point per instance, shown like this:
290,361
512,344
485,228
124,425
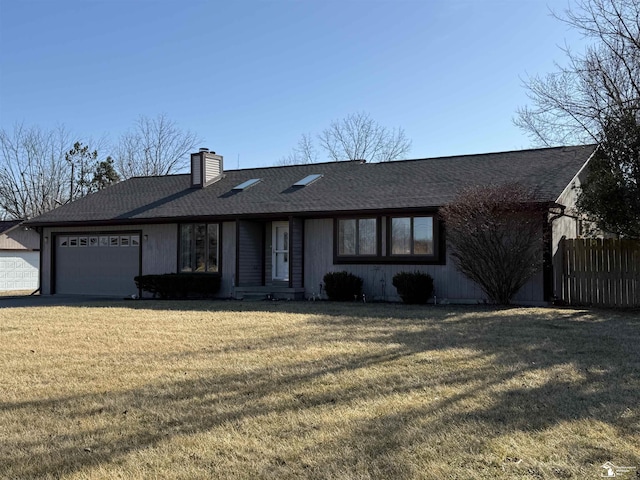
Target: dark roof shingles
345,186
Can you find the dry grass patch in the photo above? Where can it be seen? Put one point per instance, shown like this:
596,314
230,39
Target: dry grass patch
316,390
15,293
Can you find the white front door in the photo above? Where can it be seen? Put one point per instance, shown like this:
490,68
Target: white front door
280,246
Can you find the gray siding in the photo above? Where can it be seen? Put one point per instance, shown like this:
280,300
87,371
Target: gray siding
318,247
228,252
20,239
268,253
566,226
250,253
159,249
296,252
450,285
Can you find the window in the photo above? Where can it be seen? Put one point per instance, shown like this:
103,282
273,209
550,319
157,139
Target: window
411,236
199,247
357,236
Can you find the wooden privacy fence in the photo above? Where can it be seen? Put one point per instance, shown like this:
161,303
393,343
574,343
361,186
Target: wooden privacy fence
603,272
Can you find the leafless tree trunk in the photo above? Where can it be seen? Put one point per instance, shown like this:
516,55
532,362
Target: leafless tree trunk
572,104
34,176
155,146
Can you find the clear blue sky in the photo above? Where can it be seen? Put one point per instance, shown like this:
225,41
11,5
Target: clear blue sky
251,76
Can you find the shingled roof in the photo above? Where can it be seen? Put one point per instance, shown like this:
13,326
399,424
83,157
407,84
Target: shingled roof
350,186
6,225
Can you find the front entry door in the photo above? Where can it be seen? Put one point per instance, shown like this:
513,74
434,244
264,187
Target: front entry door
280,245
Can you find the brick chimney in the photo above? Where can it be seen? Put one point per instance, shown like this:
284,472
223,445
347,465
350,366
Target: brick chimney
206,168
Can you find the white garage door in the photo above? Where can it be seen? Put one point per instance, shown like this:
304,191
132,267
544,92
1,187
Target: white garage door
97,264
19,270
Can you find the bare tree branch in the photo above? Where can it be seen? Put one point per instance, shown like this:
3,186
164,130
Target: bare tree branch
359,137
34,176
572,104
355,137
155,146
304,152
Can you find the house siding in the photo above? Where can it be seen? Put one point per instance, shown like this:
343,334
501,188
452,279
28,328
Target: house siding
297,252
251,259
449,283
20,239
311,256
268,253
228,258
565,226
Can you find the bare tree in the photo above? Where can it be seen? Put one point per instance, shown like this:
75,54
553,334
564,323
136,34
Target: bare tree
495,233
355,137
155,146
34,175
359,137
573,104
304,152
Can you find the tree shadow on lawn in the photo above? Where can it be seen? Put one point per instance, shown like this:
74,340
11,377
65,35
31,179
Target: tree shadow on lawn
601,347
604,351
163,411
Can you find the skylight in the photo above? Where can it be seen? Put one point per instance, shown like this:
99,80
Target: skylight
247,184
307,180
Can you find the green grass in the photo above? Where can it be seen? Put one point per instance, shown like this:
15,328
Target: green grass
316,390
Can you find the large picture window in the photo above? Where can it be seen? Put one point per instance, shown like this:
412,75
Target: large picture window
199,247
357,237
411,236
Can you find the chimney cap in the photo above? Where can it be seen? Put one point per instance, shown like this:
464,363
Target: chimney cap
204,149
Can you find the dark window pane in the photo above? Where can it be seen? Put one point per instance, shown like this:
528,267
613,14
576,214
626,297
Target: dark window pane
212,263
367,236
186,235
401,236
423,236
346,237
200,234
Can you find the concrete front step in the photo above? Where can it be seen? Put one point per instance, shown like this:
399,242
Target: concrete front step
268,292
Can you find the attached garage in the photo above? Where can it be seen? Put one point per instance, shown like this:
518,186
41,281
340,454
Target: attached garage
97,264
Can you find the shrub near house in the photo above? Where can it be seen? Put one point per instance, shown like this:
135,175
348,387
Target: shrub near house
413,287
342,286
179,285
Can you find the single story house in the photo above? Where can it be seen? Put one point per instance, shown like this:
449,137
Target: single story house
19,256
278,230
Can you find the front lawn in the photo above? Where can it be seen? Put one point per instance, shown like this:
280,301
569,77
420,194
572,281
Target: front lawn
188,390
